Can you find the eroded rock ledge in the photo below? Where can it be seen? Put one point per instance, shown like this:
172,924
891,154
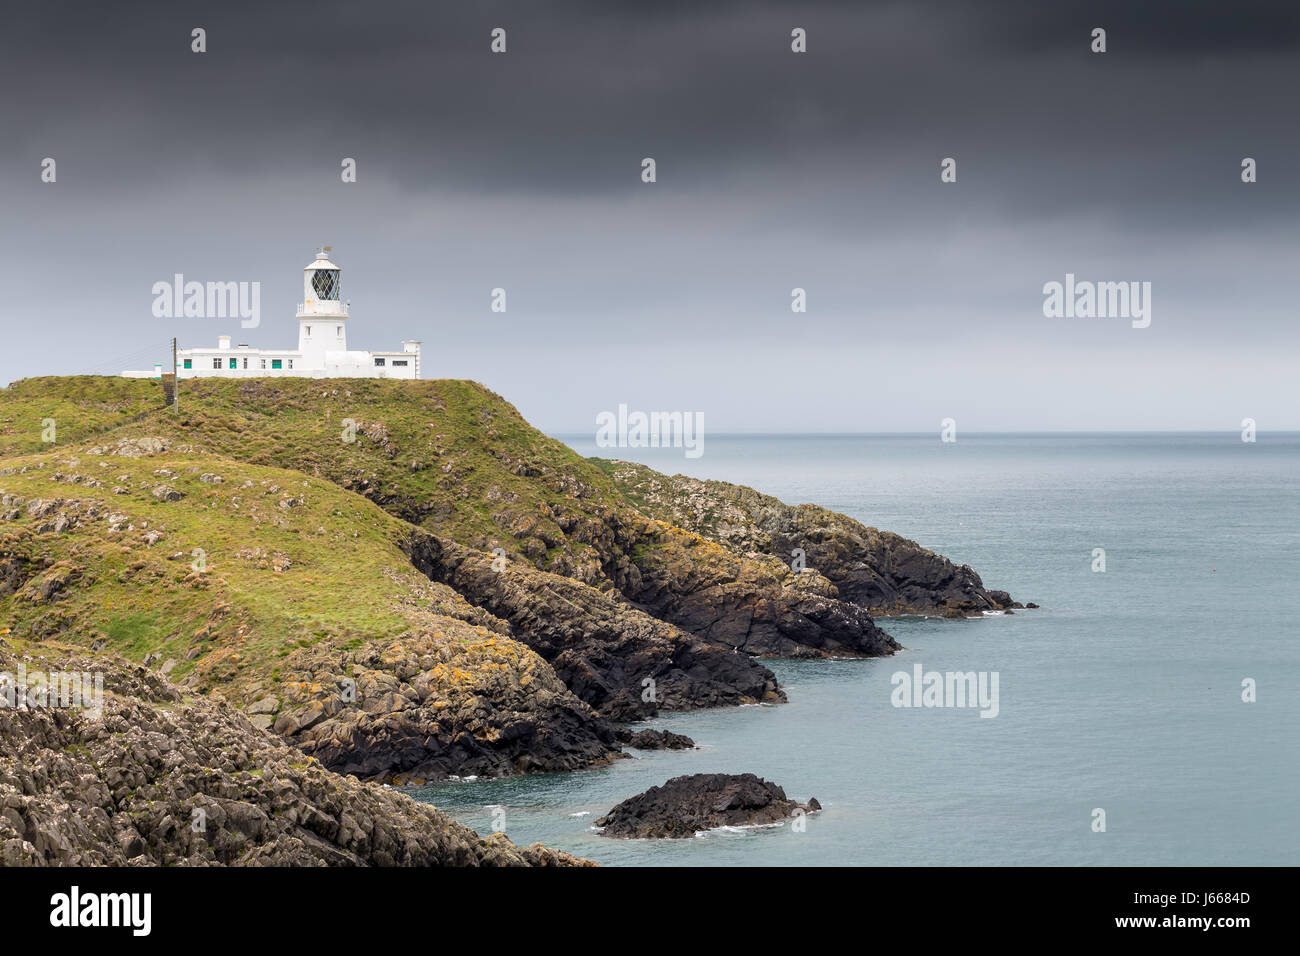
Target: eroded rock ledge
881,572
751,603
603,649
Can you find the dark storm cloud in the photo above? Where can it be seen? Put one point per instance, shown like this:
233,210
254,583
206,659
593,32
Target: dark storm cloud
1177,29
709,88
775,170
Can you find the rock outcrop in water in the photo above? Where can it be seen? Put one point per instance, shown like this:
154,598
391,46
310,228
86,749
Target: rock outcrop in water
687,805
657,740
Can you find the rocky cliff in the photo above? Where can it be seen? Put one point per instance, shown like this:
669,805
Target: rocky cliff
880,572
159,777
405,581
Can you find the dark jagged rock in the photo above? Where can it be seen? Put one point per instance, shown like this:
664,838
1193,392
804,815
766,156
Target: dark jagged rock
618,659
161,778
411,722
704,801
657,740
750,603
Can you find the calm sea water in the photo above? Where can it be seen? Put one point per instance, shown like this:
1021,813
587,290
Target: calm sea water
1123,692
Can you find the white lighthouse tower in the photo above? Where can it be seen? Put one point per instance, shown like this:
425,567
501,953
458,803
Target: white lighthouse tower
322,315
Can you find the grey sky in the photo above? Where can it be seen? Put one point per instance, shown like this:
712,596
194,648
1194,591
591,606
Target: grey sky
775,170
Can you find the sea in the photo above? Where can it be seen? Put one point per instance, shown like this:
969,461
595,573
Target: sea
1148,712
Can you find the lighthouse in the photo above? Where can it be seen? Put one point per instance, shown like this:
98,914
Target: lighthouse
322,314
322,350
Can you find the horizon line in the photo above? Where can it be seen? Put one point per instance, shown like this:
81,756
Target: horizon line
1082,432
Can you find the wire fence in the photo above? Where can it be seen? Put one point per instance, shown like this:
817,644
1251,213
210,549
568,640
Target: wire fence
138,360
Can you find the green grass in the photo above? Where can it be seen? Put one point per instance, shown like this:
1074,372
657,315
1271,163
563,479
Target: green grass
448,455
136,634
80,405
345,575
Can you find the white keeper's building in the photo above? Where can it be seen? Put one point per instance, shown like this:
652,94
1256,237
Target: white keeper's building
322,350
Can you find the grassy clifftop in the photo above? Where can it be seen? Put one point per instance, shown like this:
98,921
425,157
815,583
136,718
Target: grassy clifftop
447,455
161,545
462,463
78,405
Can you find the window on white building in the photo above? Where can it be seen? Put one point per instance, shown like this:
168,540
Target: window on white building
339,328
308,331
325,283
263,363
399,361
379,361
216,363
290,363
